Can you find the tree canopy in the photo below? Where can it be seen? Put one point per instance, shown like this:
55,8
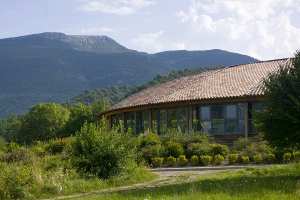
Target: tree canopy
44,121
280,121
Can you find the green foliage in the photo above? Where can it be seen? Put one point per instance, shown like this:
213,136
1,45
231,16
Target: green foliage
280,121
205,160
98,151
157,161
233,158
57,146
150,146
252,146
287,157
173,149
270,158
17,182
79,114
258,158
50,175
150,151
198,149
219,149
170,161
296,156
43,122
194,160
10,127
150,139
244,159
182,161
218,159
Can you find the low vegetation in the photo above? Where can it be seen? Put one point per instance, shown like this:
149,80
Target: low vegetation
276,182
93,159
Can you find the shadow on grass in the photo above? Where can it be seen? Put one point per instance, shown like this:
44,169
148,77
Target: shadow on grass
255,184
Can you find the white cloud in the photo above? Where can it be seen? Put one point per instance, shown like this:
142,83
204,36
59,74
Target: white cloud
155,42
96,30
149,42
117,7
263,29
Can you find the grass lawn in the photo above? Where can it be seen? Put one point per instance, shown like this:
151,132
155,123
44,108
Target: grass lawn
274,182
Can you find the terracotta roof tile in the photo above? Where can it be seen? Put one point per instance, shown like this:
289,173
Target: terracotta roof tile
233,81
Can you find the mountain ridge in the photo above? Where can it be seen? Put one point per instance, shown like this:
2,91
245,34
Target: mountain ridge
55,66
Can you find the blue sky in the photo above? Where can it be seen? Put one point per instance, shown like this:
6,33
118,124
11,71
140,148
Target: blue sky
265,29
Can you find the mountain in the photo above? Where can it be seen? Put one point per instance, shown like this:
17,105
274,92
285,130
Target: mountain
55,67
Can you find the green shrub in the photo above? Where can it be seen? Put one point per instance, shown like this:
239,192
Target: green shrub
157,161
244,159
287,157
198,149
173,149
98,151
182,161
149,139
296,156
257,158
205,160
219,149
233,158
252,146
270,158
218,159
17,182
195,160
170,161
56,146
196,137
150,151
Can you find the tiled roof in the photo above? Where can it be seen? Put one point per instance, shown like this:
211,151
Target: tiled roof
229,82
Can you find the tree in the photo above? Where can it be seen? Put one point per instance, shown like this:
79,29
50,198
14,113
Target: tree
10,127
44,121
280,121
79,114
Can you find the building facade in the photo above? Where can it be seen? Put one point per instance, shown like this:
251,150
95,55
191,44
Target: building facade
221,103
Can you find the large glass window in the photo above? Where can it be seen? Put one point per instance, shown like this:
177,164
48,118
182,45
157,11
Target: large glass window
146,122
139,122
205,113
182,122
223,119
195,117
205,119
130,123
241,117
217,119
231,123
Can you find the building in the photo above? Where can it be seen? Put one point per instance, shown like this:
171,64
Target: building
218,102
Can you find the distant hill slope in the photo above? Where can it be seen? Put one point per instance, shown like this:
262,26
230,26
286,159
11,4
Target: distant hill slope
55,67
